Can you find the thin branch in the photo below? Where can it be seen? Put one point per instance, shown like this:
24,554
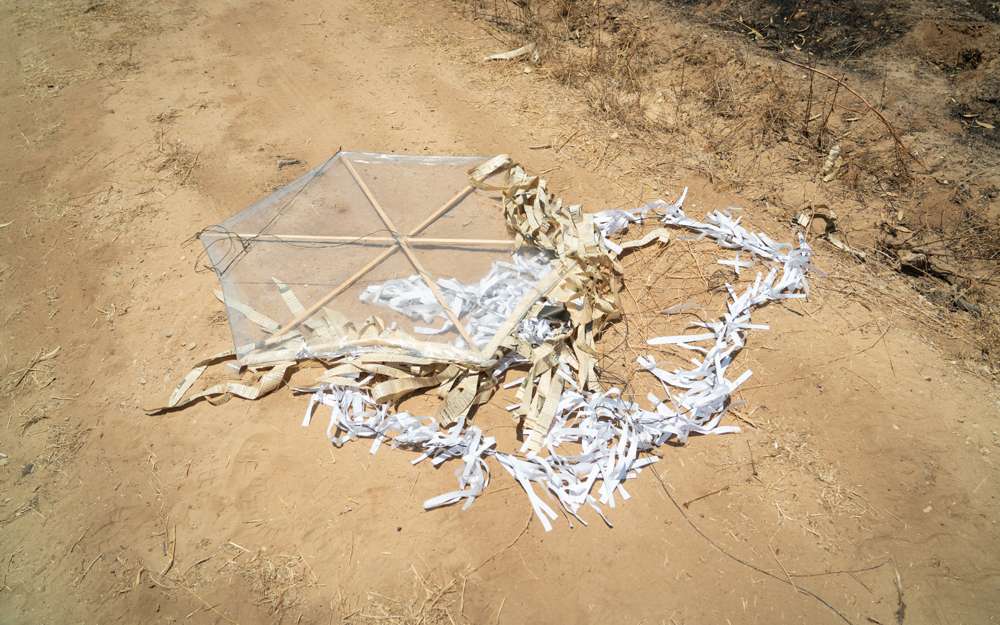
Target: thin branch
868,105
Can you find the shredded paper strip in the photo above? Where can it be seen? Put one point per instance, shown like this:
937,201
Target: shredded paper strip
541,313
607,434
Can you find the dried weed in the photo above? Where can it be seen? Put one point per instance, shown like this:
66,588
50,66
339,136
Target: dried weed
276,581
774,128
172,158
432,603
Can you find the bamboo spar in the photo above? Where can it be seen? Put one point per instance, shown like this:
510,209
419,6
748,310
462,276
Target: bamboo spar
403,245
318,238
346,284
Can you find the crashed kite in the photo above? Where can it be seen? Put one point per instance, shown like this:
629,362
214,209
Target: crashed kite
407,274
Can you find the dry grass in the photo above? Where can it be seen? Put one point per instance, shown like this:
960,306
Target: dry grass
276,581
609,66
792,448
38,373
716,105
431,603
131,20
662,86
172,158
66,439
595,47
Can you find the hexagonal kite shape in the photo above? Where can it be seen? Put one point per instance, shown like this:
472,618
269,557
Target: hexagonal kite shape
368,250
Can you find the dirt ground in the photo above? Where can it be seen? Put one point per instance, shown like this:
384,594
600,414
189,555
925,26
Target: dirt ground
863,488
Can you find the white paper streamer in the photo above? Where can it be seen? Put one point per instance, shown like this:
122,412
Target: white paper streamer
597,439
483,306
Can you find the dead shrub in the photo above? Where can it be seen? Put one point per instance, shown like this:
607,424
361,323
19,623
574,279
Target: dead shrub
586,44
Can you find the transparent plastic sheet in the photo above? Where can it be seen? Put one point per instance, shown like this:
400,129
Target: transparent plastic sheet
330,238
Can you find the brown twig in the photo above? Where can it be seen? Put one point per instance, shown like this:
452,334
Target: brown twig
10,563
809,101
87,570
888,355
688,503
826,118
74,546
863,569
868,105
173,553
783,569
568,139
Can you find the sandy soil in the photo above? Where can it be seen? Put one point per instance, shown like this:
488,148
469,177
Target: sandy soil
862,490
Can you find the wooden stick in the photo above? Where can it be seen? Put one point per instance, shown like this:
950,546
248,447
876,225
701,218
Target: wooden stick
310,238
343,286
346,284
403,245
